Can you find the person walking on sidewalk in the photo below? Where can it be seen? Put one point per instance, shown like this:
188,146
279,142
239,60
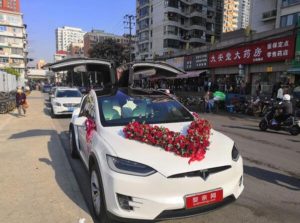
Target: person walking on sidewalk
20,101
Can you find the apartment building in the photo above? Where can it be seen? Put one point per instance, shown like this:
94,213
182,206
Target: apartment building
67,35
270,14
168,27
244,14
231,15
13,38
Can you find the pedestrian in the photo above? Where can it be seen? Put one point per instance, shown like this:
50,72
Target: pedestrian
209,101
279,92
243,88
21,101
258,88
274,90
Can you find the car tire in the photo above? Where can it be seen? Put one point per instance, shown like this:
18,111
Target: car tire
97,195
72,143
263,125
52,113
294,130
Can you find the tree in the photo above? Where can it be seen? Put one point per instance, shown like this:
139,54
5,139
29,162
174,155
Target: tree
109,49
12,71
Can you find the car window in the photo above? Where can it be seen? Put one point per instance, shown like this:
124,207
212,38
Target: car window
88,107
121,109
68,94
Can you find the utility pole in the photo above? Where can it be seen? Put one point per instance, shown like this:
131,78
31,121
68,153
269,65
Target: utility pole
129,23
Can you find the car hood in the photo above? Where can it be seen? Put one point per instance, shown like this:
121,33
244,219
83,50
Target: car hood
167,163
76,100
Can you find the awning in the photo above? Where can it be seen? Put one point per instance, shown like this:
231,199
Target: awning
191,74
294,70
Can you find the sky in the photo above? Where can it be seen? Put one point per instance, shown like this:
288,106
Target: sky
42,17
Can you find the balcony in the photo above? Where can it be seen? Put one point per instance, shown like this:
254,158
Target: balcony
269,15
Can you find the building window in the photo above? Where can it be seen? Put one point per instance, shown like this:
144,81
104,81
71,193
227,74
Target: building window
144,24
289,20
144,36
289,2
171,30
144,12
172,3
172,43
143,2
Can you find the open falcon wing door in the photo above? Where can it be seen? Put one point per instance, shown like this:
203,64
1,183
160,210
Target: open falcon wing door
128,73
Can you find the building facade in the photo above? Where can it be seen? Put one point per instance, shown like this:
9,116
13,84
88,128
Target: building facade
75,50
244,14
67,35
172,26
231,15
13,38
10,5
60,55
40,64
271,14
243,61
98,36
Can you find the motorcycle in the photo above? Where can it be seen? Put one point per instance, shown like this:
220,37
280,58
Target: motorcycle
291,124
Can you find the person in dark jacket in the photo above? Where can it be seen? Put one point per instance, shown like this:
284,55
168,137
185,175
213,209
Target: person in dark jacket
286,108
20,101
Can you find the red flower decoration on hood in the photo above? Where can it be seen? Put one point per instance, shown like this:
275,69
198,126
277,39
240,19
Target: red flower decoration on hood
193,145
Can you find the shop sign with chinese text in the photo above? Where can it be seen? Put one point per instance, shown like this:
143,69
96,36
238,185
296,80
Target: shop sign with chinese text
195,62
272,50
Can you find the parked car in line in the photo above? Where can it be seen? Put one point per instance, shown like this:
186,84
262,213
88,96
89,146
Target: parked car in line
46,88
65,100
52,93
123,172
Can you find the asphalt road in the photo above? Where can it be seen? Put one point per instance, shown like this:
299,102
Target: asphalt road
271,166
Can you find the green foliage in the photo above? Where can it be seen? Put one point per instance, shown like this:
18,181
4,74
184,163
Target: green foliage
109,49
12,71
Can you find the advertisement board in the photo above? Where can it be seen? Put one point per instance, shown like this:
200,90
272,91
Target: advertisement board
279,49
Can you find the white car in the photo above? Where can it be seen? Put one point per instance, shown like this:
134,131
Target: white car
65,100
131,180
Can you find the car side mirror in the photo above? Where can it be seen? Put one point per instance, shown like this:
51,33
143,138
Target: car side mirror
80,121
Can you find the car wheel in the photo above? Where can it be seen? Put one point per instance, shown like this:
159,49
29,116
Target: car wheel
294,130
72,143
97,195
52,113
263,125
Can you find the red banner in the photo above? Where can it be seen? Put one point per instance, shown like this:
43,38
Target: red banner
272,50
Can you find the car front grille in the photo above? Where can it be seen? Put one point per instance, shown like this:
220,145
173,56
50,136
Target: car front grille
201,173
68,105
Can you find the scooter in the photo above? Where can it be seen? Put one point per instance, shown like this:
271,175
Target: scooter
291,124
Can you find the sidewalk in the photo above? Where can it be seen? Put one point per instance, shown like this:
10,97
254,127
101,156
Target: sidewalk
36,183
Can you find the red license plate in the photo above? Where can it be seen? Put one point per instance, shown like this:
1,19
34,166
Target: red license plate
205,198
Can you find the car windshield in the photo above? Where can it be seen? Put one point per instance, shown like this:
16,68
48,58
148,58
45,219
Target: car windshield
152,108
68,94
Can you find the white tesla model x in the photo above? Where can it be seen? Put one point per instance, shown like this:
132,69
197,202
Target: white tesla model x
131,180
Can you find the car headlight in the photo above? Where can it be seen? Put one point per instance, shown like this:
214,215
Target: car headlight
129,167
57,104
235,153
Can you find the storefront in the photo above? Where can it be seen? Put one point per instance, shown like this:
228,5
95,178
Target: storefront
263,62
